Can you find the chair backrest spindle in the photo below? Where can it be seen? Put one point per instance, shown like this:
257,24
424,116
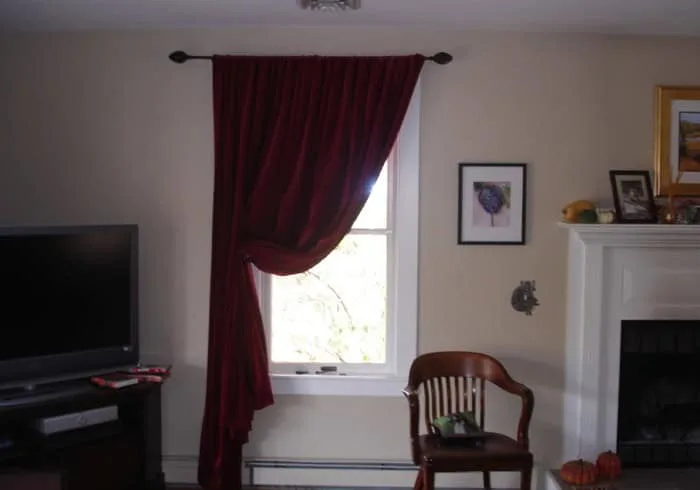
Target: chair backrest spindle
449,394
465,393
441,395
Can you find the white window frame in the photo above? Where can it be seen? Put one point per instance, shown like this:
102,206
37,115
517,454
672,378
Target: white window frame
402,328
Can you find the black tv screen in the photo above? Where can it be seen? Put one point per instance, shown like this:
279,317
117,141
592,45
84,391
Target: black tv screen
67,300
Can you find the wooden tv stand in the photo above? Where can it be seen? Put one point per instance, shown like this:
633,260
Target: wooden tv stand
119,455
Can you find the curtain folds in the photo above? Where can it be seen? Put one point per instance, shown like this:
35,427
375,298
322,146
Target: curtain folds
299,142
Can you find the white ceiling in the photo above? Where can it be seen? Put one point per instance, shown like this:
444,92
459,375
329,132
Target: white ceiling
656,17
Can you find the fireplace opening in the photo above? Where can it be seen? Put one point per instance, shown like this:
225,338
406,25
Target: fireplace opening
659,396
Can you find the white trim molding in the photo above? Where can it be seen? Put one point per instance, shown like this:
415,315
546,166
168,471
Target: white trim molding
311,384
633,234
617,272
180,468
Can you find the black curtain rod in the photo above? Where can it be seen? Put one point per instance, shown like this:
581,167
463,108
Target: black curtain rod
440,58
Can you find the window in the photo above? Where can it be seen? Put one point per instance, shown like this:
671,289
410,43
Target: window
357,309
336,313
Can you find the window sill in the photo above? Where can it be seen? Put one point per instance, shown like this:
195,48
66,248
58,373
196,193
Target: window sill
311,384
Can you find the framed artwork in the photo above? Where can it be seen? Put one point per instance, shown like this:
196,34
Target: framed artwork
634,201
677,141
491,203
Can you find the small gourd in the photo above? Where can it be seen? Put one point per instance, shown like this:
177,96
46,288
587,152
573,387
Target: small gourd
571,211
608,465
578,472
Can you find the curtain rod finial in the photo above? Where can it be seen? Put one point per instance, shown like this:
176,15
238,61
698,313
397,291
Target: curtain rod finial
178,57
441,58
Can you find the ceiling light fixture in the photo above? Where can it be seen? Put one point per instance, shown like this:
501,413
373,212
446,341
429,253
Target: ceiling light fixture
330,5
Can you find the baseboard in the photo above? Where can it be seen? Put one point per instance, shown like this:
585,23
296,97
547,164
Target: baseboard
190,486
181,473
180,470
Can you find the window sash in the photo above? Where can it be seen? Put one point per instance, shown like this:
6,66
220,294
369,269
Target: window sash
390,365
386,367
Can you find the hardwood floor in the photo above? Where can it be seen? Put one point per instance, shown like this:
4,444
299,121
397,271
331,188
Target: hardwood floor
184,486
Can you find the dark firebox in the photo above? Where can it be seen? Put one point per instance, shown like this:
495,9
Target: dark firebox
659,397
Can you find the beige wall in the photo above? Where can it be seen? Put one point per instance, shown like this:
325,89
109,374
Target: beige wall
103,128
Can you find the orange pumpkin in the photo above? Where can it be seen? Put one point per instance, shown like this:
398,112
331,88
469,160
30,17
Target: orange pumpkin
608,465
578,472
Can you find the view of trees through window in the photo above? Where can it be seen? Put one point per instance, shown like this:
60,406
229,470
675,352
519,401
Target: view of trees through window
337,311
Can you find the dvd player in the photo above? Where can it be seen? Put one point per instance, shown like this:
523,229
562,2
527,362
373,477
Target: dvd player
76,420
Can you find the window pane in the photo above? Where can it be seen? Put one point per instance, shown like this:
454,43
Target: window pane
335,312
374,214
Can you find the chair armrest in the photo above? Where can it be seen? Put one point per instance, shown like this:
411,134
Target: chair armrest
409,391
528,404
411,395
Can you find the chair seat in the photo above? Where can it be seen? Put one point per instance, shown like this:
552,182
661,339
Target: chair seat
498,452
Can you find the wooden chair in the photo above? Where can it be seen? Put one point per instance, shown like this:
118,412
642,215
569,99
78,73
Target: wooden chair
454,382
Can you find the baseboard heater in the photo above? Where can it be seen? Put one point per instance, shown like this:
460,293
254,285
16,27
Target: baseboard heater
320,464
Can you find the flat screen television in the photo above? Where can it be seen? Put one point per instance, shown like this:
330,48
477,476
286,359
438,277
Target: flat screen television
68,302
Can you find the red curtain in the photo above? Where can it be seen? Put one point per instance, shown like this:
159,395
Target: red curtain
299,141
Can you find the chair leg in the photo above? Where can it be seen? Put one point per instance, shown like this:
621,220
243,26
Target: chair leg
526,478
487,480
428,479
418,485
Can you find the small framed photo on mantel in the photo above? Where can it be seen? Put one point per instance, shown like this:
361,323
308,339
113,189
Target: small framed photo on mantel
492,203
634,199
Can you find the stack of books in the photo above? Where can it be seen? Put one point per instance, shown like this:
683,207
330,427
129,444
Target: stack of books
132,376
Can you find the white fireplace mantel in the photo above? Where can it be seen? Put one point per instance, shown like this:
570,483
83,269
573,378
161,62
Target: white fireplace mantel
617,272
633,234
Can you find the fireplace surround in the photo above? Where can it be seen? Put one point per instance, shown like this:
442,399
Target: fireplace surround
618,273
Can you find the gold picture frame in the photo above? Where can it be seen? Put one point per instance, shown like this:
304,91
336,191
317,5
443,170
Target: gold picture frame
676,157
